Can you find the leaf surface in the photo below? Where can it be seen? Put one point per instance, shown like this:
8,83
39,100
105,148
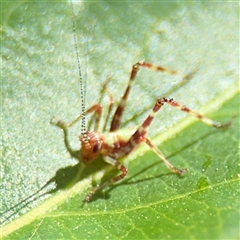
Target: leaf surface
40,81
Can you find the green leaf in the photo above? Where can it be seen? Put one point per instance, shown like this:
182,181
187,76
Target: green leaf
40,80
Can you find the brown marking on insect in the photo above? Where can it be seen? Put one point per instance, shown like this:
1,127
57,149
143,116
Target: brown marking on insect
135,68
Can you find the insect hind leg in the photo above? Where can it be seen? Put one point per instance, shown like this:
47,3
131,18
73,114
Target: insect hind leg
140,134
116,121
164,159
201,117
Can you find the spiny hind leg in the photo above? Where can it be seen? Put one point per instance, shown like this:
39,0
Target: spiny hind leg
201,117
176,87
140,134
117,165
116,121
183,108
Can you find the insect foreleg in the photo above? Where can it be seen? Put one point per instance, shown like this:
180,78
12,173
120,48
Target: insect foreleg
97,109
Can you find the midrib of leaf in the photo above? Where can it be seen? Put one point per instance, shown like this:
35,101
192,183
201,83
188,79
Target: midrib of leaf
141,206
51,203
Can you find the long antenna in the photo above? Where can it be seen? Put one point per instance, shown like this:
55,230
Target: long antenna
82,85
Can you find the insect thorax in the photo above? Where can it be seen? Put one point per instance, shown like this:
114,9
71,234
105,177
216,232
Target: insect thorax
94,144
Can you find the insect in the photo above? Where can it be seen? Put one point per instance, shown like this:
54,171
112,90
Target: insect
115,143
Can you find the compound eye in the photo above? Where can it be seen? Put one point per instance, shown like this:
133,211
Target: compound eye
95,147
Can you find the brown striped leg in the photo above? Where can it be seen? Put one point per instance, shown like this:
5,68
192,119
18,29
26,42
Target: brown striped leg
175,104
140,133
101,94
183,108
176,87
119,111
140,136
114,163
